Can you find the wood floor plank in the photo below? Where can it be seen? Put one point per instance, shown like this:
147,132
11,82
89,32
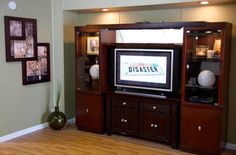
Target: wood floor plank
70,141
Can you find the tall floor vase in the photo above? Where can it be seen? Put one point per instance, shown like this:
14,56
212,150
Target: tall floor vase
57,119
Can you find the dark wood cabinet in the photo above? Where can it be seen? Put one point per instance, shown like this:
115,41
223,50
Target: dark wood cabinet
91,78
201,129
204,105
124,117
143,117
89,100
194,116
155,121
89,112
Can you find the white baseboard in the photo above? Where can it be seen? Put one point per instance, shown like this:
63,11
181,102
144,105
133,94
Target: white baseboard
230,146
71,121
23,132
29,130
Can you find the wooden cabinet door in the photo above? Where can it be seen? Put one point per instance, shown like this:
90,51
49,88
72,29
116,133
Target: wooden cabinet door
155,121
147,124
131,121
124,117
116,119
201,129
162,126
89,113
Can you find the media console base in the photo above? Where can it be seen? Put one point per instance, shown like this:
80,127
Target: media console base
140,94
144,117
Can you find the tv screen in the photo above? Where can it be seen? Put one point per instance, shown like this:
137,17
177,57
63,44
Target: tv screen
144,69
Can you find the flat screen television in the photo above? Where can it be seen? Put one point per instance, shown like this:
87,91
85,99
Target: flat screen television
150,70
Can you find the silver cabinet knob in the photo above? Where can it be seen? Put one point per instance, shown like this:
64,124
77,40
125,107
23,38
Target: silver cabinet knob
124,103
152,125
155,126
87,110
199,128
154,107
125,121
187,66
122,120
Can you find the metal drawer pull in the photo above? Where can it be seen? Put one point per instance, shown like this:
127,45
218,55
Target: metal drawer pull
152,125
187,66
122,120
154,107
155,126
86,110
199,128
125,121
124,103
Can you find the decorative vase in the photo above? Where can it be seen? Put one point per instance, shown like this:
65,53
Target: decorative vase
206,78
57,119
94,71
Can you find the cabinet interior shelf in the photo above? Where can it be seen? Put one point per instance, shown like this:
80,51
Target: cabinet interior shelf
199,87
202,105
199,59
204,33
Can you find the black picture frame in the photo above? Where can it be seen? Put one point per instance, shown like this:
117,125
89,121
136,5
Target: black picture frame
37,71
20,38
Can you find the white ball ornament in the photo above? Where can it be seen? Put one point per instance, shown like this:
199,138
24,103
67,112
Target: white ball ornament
206,78
94,71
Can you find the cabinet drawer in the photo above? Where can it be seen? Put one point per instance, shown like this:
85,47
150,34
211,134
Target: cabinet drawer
125,103
156,107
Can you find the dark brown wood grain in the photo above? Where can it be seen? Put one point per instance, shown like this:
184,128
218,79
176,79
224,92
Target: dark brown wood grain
148,118
177,118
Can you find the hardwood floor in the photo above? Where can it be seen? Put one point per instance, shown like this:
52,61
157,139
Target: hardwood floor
70,141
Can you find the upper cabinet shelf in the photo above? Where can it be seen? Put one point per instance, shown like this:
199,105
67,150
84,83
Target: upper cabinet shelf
206,53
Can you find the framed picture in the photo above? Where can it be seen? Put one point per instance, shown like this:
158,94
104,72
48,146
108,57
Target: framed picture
217,46
20,38
201,50
93,45
36,71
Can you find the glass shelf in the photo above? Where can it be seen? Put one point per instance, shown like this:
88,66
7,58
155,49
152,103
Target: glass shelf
199,87
199,44
88,55
198,58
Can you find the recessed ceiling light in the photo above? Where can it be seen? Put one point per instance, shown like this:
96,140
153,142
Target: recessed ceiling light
204,2
105,9
12,5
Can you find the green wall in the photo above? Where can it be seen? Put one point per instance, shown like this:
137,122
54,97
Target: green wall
69,19
23,106
208,13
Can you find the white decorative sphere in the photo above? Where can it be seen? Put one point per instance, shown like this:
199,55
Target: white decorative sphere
206,78
94,71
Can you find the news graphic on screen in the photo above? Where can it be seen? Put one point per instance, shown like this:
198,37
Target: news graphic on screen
143,68
149,69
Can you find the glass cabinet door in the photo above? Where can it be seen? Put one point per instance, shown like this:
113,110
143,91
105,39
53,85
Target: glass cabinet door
88,61
202,70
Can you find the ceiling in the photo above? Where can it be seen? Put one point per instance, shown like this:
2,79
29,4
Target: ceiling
156,7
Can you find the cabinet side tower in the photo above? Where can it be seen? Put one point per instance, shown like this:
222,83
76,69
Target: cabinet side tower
204,96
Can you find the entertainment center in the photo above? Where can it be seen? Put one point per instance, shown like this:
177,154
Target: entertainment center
166,82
